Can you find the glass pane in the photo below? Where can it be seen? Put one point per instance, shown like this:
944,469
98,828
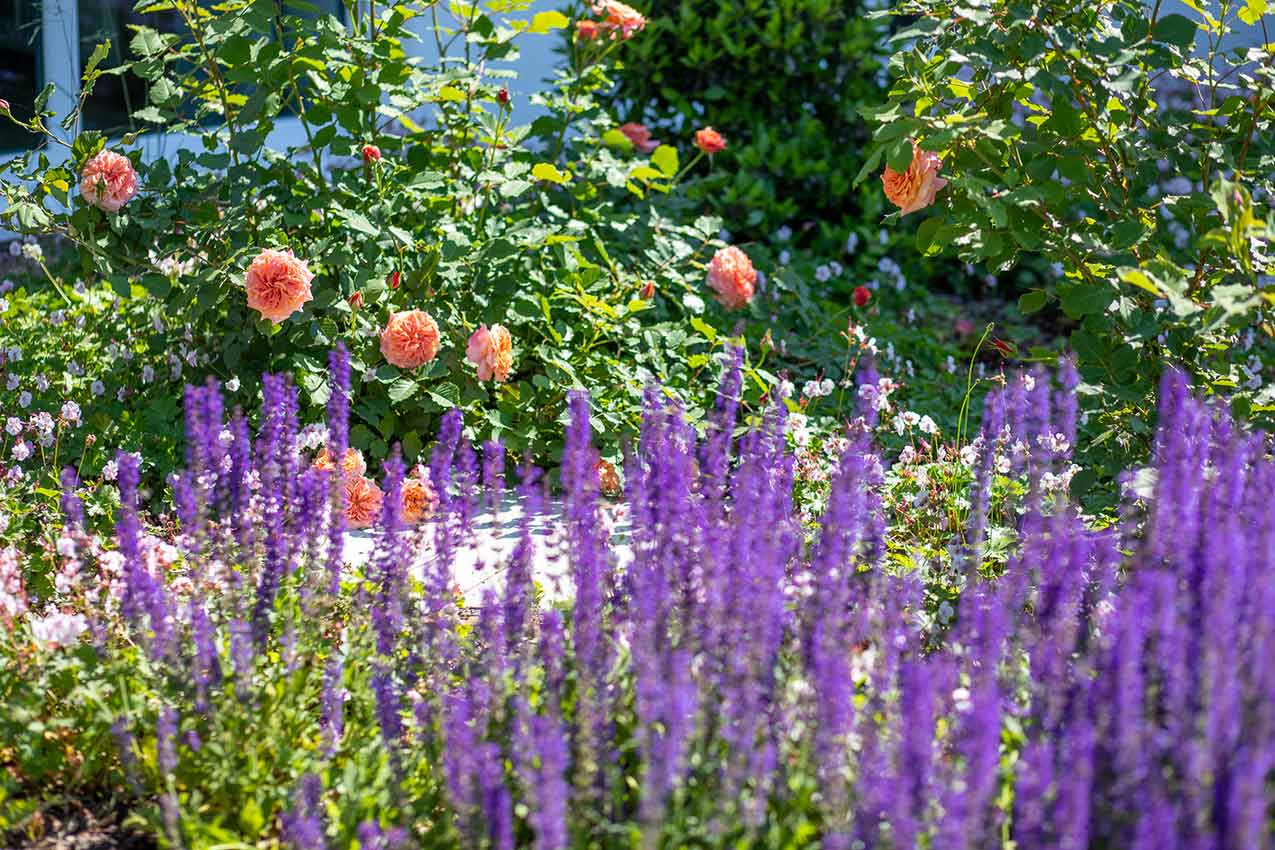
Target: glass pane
19,71
114,97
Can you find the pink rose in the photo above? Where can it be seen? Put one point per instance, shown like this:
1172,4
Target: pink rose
371,153
586,30
362,501
915,188
278,284
410,339
491,350
732,277
639,136
709,140
108,181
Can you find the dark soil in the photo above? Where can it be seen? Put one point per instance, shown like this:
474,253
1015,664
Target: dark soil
77,826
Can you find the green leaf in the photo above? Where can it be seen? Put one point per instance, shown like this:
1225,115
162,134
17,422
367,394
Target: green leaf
549,171
665,159
402,389
1253,11
926,233
900,155
1177,30
708,331
1083,299
1140,279
545,22
1032,302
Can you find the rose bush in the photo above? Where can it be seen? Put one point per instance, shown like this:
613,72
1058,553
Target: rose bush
416,212
1129,146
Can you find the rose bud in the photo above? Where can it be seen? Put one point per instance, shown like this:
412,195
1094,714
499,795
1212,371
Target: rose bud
502,96
356,300
648,290
862,295
371,153
393,280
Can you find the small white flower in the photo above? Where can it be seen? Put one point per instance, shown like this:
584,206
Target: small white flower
41,382
15,354
852,242
121,394
97,388
825,386
148,374
57,629
784,257
784,233
13,425
15,248
75,368
33,252
110,470
21,450
233,384
927,426
785,388
4,305
71,412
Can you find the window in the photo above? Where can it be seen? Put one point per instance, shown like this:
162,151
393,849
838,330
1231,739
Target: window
19,67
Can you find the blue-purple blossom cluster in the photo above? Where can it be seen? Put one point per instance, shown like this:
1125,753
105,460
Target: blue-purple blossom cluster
729,674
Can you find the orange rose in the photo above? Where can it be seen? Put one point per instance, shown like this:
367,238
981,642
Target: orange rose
410,339
621,19
915,188
108,181
586,30
419,498
491,350
362,501
608,478
353,464
278,284
709,140
732,277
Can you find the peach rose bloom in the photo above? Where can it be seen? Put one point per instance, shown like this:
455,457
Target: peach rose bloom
586,30
362,501
732,277
108,181
709,140
419,498
353,464
491,350
621,19
278,284
639,136
915,188
410,339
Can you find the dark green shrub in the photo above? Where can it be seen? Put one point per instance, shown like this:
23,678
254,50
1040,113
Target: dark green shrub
783,81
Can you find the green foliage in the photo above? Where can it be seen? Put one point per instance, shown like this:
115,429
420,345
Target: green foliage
543,228
1125,145
782,81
